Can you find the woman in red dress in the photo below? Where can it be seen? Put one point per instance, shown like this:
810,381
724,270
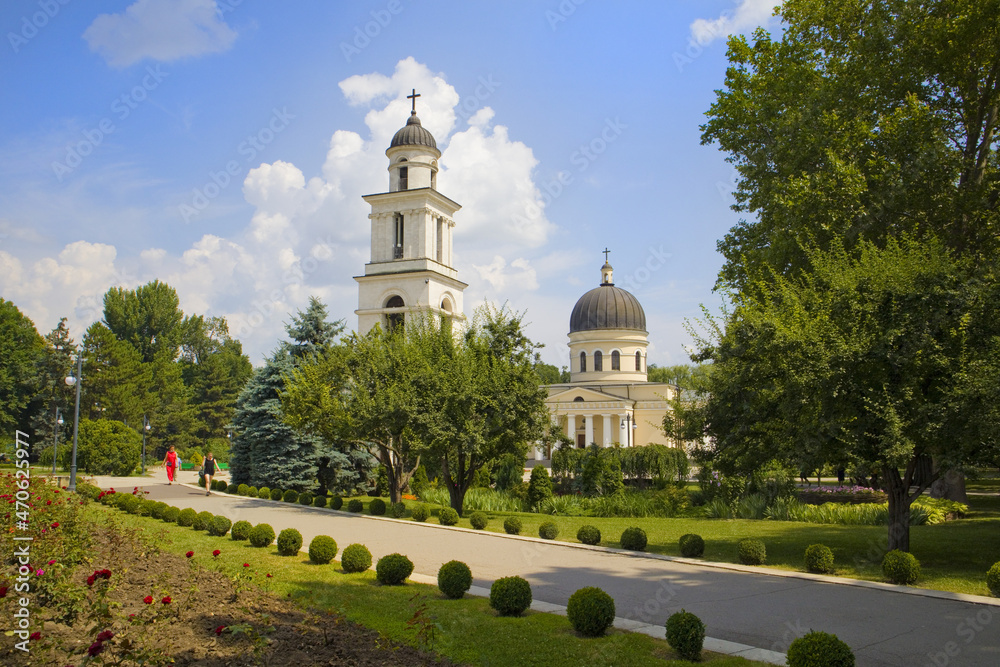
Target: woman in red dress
170,463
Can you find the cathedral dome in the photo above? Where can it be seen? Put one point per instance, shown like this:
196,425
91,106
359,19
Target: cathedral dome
413,134
607,307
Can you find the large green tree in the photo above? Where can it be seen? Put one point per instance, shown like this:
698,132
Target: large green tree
149,318
54,365
21,349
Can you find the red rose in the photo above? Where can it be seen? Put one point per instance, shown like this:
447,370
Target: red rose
148,599
3,591
55,524
268,575
95,649
105,636
35,635
189,554
216,553
219,630
166,600
246,564
90,580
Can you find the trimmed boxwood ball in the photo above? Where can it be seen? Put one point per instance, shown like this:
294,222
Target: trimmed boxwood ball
448,517
591,611
203,521
478,520
290,496
454,579
186,517
692,546
277,494
751,551
305,498
633,539
392,570
243,490
510,596
819,559
129,503
512,525
232,488
355,506
262,535
356,558
170,514
289,542
157,512
252,492
993,579
264,492
336,502
377,507
901,567
398,510
420,513
819,649
548,530
589,535
319,501
145,507
220,526
241,530
686,635
322,549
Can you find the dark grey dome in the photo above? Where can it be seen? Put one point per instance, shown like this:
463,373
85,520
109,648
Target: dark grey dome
607,307
413,134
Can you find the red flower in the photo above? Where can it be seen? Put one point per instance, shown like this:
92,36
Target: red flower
35,635
90,580
3,591
268,575
55,524
105,636
246,564
95,649
189,554
219,630
48,502
148,599
216,553
166,600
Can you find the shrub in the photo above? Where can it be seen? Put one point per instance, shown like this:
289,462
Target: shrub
591,611
819,559
448,517
539,486
993,579
454,579
262,535
305,498
355,506
819,649
589,535
129,503
232,488
252,492
751,551
87,490
220,526
170,514
108,447
420,513
322,549
336,502
478,520
901,567
356,558
203,521
548,530
392,570
633,539
290,496
289,542
686,635
218,485
243,490
241,530
510,596
512,525
398,510
277,494
145,507
264,492
186,517
377,507
692,546
319,501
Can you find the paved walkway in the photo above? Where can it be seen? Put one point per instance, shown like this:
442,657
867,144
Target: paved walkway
884,625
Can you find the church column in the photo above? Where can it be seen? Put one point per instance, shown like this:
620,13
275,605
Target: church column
607,430
589,429
571,428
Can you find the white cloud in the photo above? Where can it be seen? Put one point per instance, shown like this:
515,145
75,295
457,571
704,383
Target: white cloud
518,276
747,15
163,30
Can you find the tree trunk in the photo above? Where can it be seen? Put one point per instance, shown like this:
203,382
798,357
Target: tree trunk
899,509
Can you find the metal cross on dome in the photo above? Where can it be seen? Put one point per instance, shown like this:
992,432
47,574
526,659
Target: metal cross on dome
413,97
606,253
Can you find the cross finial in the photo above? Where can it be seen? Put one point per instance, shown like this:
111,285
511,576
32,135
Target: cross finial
413,96
606,253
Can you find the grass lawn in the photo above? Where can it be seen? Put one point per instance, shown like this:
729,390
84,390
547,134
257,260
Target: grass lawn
468,631
954,556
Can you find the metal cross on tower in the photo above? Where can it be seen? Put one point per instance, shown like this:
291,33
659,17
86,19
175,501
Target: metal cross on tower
606,253
413,97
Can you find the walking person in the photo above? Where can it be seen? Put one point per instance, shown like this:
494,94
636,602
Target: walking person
171,462
209,468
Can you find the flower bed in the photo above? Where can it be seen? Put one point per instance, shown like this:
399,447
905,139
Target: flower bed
850,495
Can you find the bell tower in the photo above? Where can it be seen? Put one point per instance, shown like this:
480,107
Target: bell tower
411,237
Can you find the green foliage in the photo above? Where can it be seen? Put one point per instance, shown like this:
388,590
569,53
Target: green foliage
355,505
454,579
186,517
89,491
478,520
686,635
393,569
419,481
512,525
901,567
252,492
243,489
129,503
264,492
170,514
539,486
322,549
277,494
420,513
508,472
589,535
993,579
290,496
377,507
591,611
548,530
751,551
692,546
633,539
241,530
305,498
819,649
107,447
319,501
202,521
157,509
232,489
510,596
381,481
641,465
819,559
289,542
336,502
356,558
448,517
262,535
22,349
398,510
220,526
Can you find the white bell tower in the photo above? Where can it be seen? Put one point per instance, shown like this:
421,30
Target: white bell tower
411,253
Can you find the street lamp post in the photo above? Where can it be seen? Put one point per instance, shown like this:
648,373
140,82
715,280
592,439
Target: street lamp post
55,440
630,433
145,430
77,380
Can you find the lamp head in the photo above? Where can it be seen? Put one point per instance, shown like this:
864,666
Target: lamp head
60,421
70,380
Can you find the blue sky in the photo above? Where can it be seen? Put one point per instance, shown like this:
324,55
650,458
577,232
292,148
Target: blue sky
223,147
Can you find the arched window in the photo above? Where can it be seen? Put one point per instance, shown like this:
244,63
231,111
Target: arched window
583,362
393,320
616,360
638,361
598,361
403,177
578,399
